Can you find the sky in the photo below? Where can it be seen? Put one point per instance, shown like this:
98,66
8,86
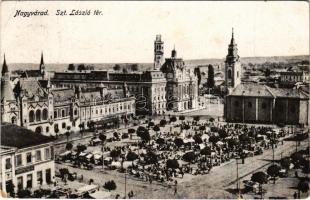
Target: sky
126,31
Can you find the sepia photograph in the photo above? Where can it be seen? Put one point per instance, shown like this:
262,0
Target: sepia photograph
154,99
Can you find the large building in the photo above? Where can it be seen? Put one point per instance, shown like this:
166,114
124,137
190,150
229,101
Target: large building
254,103
39,106
170,86
27,159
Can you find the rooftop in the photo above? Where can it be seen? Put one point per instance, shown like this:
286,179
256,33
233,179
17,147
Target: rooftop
19,137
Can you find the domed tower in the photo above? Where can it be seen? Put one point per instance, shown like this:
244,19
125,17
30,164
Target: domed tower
232,65
158,53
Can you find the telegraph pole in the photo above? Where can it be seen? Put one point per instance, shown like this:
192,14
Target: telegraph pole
125,183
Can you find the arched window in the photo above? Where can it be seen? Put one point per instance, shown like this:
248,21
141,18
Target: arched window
45,114
55,114
31,116
62,113
38,115
229,73
47,129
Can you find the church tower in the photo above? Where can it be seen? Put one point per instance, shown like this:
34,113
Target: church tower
233,69
158,52
42,66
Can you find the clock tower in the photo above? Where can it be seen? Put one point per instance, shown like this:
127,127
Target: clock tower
158,52
233,69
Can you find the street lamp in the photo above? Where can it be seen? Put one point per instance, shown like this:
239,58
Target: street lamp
239,163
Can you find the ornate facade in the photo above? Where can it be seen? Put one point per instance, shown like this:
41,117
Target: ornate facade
37,105
171,86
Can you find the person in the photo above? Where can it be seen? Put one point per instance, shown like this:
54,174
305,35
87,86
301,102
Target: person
175,187
295,195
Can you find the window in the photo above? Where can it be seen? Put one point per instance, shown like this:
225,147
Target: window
56,129
237,74
47,129
75,112
62,113
28,158
229,73
31,116
38,115
29,181
63,125
38,155
20,183
18,160
45,114
55,114
8,164
250,104
96,112
48,176
264,105
47,154
39,177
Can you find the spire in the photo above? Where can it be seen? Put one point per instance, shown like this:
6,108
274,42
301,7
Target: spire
5,68
232,36
42,60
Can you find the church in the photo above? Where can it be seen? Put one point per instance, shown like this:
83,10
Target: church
256,103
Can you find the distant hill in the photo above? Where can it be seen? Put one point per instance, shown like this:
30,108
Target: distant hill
146,66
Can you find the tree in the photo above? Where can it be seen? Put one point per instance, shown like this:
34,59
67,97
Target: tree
160,141
285,163
273,171
214,139
302,186
156,128
144,134
69,146
125,70
173,119
115,153
134,67
196,118
81,67
210,81
71,67
197,139
116,67
222,133
151,124
198,74
261,178
178,142
267,72
206,151
151,157
110,185
173,164
131,156
163,122
189,156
